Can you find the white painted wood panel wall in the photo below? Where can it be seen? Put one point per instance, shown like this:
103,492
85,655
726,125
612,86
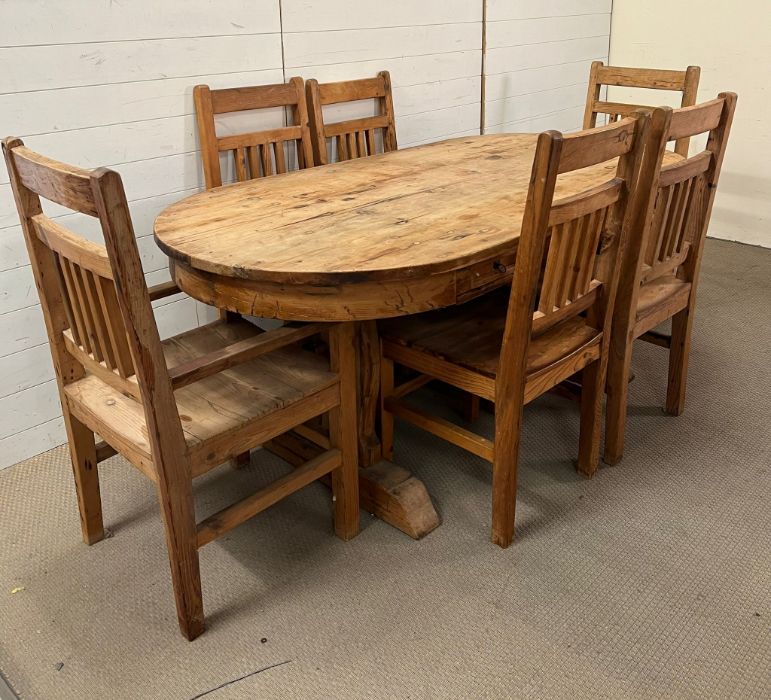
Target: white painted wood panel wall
432,49
537,61
97,82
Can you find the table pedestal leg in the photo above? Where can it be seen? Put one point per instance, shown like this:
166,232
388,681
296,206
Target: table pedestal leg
387,490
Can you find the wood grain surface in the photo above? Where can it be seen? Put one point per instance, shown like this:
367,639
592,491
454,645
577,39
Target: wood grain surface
376,237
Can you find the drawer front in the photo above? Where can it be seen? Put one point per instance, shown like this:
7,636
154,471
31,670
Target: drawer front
484,276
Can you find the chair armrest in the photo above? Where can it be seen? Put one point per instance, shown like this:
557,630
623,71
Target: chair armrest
243,351
165,289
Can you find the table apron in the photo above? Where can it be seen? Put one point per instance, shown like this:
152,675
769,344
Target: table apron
359,301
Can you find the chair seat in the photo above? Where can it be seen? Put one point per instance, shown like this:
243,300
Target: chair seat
225,403
659,299
471,335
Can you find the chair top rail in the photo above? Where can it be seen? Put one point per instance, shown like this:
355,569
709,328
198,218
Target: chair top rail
63,184
255,97
689,121
597,145
352,90
654,78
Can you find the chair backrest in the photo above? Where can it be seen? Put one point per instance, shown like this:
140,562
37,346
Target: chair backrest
353,138
94,299
685,82
686,191
568,249
256,153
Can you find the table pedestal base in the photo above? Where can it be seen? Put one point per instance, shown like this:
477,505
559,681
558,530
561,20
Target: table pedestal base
386,490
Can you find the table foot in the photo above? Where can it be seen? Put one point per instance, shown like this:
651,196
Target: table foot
396,496
386,490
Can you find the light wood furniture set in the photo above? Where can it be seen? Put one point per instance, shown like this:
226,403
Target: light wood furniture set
502,265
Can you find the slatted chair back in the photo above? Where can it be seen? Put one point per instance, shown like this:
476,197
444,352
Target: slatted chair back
686,192
353,138
568,250
685,82
94,299
256,153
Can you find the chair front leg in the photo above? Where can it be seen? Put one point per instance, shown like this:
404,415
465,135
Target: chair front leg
85,470
679,351
241,460
471,404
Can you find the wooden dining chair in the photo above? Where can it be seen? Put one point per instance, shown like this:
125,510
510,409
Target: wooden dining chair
659,279
175,408
256,153
513,345
352,138
683,81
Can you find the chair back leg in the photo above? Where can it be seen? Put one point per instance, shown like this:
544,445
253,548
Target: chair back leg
679,350
386,417
617,387
592,392
178,513
508,427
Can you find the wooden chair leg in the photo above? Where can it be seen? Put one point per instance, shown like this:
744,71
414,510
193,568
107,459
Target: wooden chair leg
679,351
344,433
508,423
592,392
241,460
615,412
386,417
179,520
470,407
85,471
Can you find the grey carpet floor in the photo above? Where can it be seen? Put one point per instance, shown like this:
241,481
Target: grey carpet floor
653,580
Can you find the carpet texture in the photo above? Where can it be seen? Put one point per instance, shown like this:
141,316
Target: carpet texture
653,580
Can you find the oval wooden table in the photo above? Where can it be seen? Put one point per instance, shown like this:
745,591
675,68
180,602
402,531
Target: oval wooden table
377,237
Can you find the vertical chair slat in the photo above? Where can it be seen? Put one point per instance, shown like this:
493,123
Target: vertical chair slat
65,297
115,328
97,334
254,161
371,142
665,215
342,147
85,309
280,158
240,160
573,259
75,305
361,143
